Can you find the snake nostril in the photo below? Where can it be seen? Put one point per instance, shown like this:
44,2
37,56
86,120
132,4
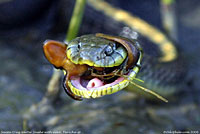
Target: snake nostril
98,57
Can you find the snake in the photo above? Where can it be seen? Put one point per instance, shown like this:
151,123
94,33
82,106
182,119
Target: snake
99,64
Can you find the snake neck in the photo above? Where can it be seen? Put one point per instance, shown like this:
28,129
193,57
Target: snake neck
165,78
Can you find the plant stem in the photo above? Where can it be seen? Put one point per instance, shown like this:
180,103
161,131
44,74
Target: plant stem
167,2
75,20
169,18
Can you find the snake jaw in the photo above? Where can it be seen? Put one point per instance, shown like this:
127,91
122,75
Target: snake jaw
68,91
100,90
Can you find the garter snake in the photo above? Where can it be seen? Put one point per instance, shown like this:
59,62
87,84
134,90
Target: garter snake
89,76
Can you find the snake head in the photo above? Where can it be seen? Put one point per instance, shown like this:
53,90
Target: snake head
112,62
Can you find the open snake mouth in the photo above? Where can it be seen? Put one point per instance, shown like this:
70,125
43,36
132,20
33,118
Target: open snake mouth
94,83
89,86
99,80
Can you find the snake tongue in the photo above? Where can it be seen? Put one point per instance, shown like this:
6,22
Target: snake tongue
95,82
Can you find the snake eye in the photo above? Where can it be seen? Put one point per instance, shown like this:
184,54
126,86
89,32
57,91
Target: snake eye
108,50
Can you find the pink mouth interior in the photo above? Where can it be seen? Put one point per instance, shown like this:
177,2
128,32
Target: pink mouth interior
94,83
